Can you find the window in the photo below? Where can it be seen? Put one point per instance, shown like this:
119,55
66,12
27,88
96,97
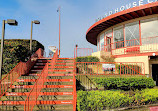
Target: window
118,37
101,41
149,30
132,34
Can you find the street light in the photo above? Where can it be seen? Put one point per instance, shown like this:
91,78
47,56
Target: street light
10,22
35,22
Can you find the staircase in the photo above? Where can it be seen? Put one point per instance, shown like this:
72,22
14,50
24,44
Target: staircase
14,98
57,93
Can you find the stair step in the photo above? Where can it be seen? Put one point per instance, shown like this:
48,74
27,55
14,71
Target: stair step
22,86
58,86
58,107
19,90
59,77
61,74
38,102
57,90
40,64
63,66
12,108
58,83
26,80
28,77
59,80
41,93
57,97
23,83
13,98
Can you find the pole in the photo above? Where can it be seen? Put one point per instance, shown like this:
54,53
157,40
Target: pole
31,37
59,31
2,44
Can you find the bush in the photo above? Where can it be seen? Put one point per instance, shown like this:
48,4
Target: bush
124,83
87,59
16,50
99,100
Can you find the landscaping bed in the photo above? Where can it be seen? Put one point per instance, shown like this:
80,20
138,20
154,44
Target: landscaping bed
101,100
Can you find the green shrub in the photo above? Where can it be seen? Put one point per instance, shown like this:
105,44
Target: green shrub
87,59
16,50
99,100
124,83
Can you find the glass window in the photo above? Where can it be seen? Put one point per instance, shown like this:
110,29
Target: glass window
118,37
132,34
101,41
149,30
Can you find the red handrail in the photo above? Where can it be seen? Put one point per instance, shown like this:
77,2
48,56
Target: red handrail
74,86
20,69
81,52
113,68
31,99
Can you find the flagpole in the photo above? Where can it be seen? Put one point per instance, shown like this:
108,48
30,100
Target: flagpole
59,30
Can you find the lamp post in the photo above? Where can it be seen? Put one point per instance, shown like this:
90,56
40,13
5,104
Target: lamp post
35,22
10,22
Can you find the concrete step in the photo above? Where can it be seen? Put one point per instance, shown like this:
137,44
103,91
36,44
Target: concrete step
59,72
55,97
58,83
57,90
11,108
23,83
40,64
19,90
60,77
65,107
28,77
13,98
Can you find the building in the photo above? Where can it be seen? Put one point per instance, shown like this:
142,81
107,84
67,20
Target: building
130,36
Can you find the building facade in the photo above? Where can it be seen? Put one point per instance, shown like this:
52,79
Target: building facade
129,36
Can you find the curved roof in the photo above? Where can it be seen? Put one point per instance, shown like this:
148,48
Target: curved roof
132,13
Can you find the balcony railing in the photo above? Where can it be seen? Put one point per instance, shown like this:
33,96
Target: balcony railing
134,46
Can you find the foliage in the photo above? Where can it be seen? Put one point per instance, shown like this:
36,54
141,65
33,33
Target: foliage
128,69
16,50
99,100
107,58
125,83
87,59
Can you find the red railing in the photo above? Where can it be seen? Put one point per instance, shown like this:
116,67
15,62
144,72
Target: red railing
74,85
31,99
81,52
134,46
110,68
20,69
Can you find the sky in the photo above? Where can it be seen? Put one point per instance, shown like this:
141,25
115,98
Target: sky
76,17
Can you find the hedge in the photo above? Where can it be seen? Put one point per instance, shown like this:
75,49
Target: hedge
99,100
124,83
16,50
87,59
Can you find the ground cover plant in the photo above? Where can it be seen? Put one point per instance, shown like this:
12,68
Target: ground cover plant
124,83
99,100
